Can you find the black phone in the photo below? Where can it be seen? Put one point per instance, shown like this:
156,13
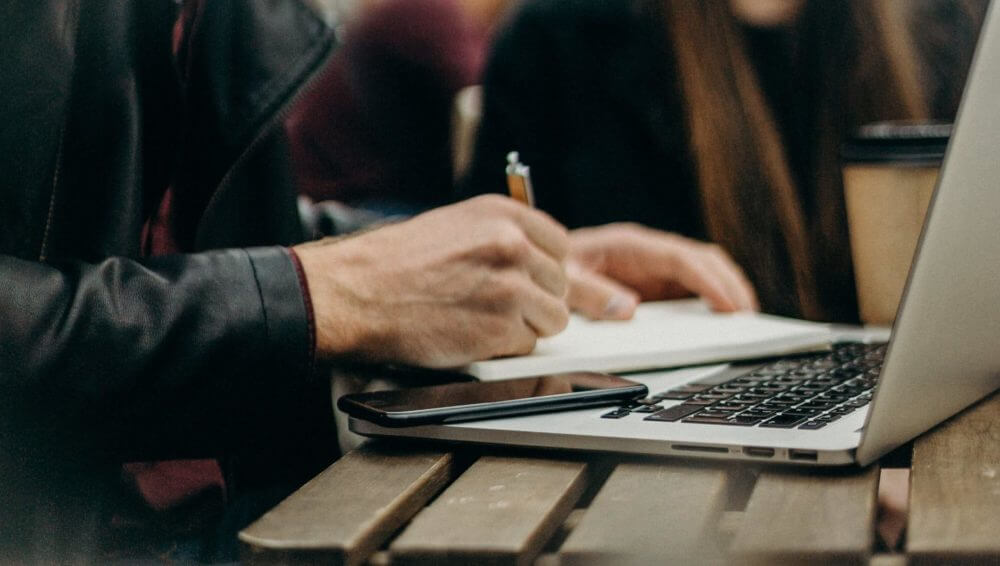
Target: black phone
465,401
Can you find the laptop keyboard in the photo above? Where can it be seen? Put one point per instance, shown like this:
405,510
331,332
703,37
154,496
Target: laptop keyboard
805,392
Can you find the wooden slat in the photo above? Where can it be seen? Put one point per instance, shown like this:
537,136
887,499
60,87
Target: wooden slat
809,516
955,490
650,513
500,511
888,560
346,512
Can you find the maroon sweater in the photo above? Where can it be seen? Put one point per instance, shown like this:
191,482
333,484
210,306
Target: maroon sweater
375,128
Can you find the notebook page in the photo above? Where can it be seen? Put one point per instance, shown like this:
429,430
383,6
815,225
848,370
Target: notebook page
661,335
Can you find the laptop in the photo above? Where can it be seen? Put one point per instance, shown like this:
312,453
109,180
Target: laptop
848,406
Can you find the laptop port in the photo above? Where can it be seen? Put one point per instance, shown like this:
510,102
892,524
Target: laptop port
803,455
758,451
699,448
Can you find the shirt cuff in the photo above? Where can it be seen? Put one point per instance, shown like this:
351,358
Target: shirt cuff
278,288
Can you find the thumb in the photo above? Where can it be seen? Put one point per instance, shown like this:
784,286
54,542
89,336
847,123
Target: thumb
598,296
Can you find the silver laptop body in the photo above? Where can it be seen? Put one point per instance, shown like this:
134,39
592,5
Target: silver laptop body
944,353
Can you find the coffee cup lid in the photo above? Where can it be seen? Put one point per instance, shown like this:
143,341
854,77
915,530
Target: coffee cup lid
915,143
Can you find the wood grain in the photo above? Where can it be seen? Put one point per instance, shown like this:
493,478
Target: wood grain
344,514
650,513
955,490
809,516
500,511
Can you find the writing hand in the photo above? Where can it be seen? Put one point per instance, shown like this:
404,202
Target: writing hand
475,280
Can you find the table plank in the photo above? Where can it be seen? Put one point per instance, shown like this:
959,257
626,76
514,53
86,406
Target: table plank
342,515
810,516
500,511
649,513
955,489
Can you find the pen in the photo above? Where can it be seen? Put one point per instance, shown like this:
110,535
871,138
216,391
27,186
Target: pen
519,179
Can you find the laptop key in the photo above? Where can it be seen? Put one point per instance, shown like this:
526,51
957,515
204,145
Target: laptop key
748,419
648,409
693,387
795,397
675,413
753,397
699,419
728,389
832,398
700,400
711,412
814,406
784,420
675,395
760,414
715,396
616,414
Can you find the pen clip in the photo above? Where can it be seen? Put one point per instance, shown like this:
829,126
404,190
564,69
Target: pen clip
519,179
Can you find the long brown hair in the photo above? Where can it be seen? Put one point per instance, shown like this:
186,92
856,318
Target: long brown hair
796,252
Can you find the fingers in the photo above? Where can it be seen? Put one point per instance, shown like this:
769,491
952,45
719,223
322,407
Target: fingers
545,313
537,314
697,272
546,233
738,287
517,342
659,265
510,247
597,296
546,272
550,236
535,242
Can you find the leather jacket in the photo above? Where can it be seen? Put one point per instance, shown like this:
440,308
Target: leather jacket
109,356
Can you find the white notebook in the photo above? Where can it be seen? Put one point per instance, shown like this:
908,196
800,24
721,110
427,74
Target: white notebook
661,335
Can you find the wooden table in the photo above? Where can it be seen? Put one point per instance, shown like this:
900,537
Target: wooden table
395,503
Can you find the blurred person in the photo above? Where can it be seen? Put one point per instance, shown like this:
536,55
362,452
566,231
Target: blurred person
375,131
715,121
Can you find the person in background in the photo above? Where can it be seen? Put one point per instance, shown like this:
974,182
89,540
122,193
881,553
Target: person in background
375,131
717,121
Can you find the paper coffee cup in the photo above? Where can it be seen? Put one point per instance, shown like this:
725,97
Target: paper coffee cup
890,170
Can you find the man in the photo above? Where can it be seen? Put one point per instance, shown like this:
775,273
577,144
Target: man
149,308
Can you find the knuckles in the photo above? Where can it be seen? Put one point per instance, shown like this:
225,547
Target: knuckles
508,244
715,250
491,204
559,323
505,292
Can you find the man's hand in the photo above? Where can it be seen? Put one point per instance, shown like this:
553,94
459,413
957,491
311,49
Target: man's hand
612,268
475,280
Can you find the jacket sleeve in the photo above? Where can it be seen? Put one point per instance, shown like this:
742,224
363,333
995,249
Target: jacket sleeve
175,356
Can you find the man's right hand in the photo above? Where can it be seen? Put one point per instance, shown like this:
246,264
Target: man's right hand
474,280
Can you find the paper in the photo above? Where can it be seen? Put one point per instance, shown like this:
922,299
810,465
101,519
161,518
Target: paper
661,335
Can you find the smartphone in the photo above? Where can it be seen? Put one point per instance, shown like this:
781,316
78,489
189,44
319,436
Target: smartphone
466,401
